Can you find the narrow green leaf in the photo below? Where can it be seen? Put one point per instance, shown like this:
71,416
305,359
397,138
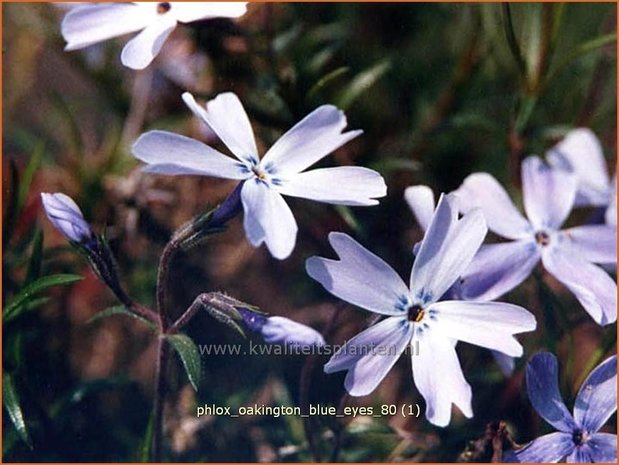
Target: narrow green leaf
532,40
349,217
318,61
24,308
28,292
325,81
34,267
362,82
34,304
147,441
28,174
581,50
190,356
527,105
10,400
512,41
118,310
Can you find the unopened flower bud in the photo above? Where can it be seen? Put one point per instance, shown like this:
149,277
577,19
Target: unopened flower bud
67,217
280,330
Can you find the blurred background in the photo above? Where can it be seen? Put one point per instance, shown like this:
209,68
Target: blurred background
439,91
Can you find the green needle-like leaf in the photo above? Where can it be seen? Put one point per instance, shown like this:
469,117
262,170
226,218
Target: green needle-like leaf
362,82
146,445
10,400
34,267
18,303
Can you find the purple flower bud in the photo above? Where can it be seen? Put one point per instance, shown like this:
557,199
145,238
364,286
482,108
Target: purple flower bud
64,213
280,330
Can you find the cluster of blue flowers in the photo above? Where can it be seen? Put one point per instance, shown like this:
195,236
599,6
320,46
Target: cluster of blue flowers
455,279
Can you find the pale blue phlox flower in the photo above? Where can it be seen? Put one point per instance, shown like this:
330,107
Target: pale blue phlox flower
420,199
92,23
578,439
414,313
580,151
281,171
570,255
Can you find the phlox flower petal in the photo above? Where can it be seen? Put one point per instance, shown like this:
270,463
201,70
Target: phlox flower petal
311,139
370,355
226,116
550,448
602,448
498,268
359,277
485,324
481,190
90,24
543,388
581,152
140,51
438,377
420,199
548,193
597,398
173,154
592,286
447,249
344,185
268,219
597,243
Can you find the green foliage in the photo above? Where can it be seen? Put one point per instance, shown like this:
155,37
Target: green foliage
362,83
147,441
23,300
189,355
10,400
119,310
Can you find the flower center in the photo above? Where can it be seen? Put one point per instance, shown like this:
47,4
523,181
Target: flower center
542,238
580,437
416,313
163,7
259,173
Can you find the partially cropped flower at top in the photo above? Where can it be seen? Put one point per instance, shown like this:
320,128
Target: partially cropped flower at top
578,439
96,22
280,330
473,282
67,217
570,255
268,219
413,313
580,151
